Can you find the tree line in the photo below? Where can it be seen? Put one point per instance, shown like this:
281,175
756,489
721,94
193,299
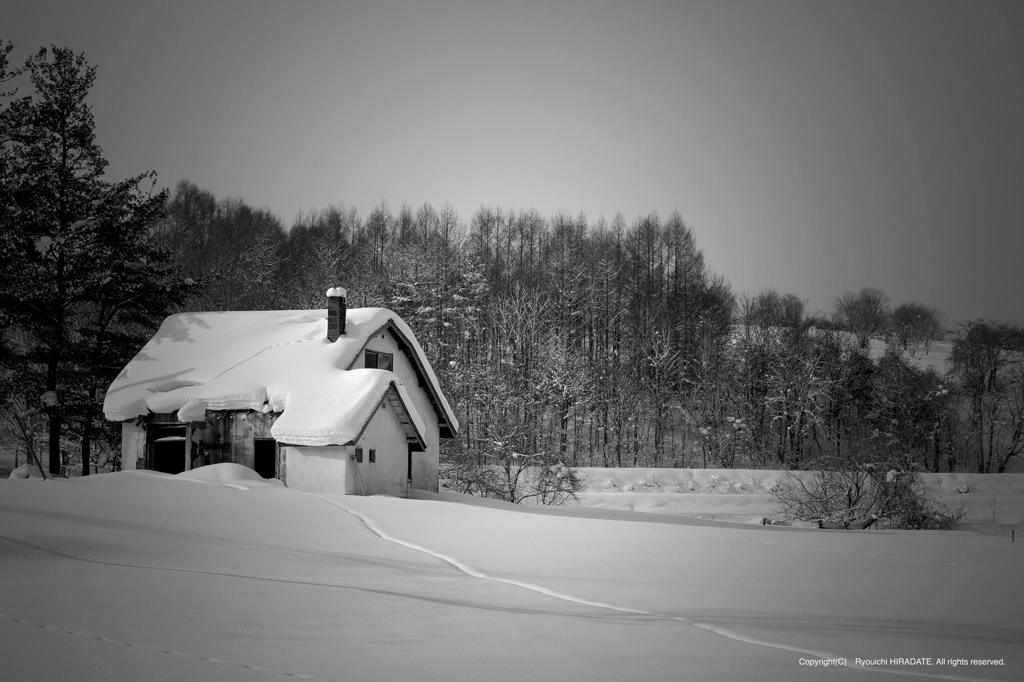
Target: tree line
608,343
558,339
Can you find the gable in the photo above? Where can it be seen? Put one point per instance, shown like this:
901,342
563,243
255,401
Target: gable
395,341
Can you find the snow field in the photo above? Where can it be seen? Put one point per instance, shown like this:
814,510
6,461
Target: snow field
881,591
221,575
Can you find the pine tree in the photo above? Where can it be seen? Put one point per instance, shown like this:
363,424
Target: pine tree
79,274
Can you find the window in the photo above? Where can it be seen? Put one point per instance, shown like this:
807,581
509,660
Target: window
359,455
375,360
373,455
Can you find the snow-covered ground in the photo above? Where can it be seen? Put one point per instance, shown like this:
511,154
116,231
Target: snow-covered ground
218,574
936,358
988,502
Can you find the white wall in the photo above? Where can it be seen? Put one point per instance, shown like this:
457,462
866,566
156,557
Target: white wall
133,445
333,469
388,475
424,464
318,469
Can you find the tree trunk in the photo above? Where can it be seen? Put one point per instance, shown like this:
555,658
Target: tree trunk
54,445
53,410
86,445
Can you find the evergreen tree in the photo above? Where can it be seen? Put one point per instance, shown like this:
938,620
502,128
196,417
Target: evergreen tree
79,274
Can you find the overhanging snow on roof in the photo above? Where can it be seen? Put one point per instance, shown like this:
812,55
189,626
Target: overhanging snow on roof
277,360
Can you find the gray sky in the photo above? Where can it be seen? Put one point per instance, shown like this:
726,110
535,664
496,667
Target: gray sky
815,147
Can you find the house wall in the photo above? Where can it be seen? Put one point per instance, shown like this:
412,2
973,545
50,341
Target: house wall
133,445
425,464
319,469
228,436
388,475
333,469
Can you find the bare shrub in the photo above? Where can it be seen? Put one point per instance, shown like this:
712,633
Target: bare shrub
841,495
514,479
26,426
556,484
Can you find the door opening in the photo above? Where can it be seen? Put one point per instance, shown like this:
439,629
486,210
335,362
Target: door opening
264,459
167,448
412,449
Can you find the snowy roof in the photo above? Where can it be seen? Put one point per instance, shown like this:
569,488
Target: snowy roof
273,361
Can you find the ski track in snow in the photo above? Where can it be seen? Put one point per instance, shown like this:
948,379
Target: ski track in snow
465,568
194,537
272,579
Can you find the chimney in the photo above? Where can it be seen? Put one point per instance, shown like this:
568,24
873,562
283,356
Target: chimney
335,313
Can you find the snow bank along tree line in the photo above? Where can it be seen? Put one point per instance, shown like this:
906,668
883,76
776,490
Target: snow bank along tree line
597,343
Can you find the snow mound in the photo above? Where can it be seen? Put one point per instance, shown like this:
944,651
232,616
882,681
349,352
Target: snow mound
681,481
26,471
229,474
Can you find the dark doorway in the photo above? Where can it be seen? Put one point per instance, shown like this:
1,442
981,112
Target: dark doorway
167,448
412,449
264,457
169,456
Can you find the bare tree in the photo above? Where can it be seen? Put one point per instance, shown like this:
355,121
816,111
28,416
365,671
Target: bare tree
914,325
27,426
865,313
988,359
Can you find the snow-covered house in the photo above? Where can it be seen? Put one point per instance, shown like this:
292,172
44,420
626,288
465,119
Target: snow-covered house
332,400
